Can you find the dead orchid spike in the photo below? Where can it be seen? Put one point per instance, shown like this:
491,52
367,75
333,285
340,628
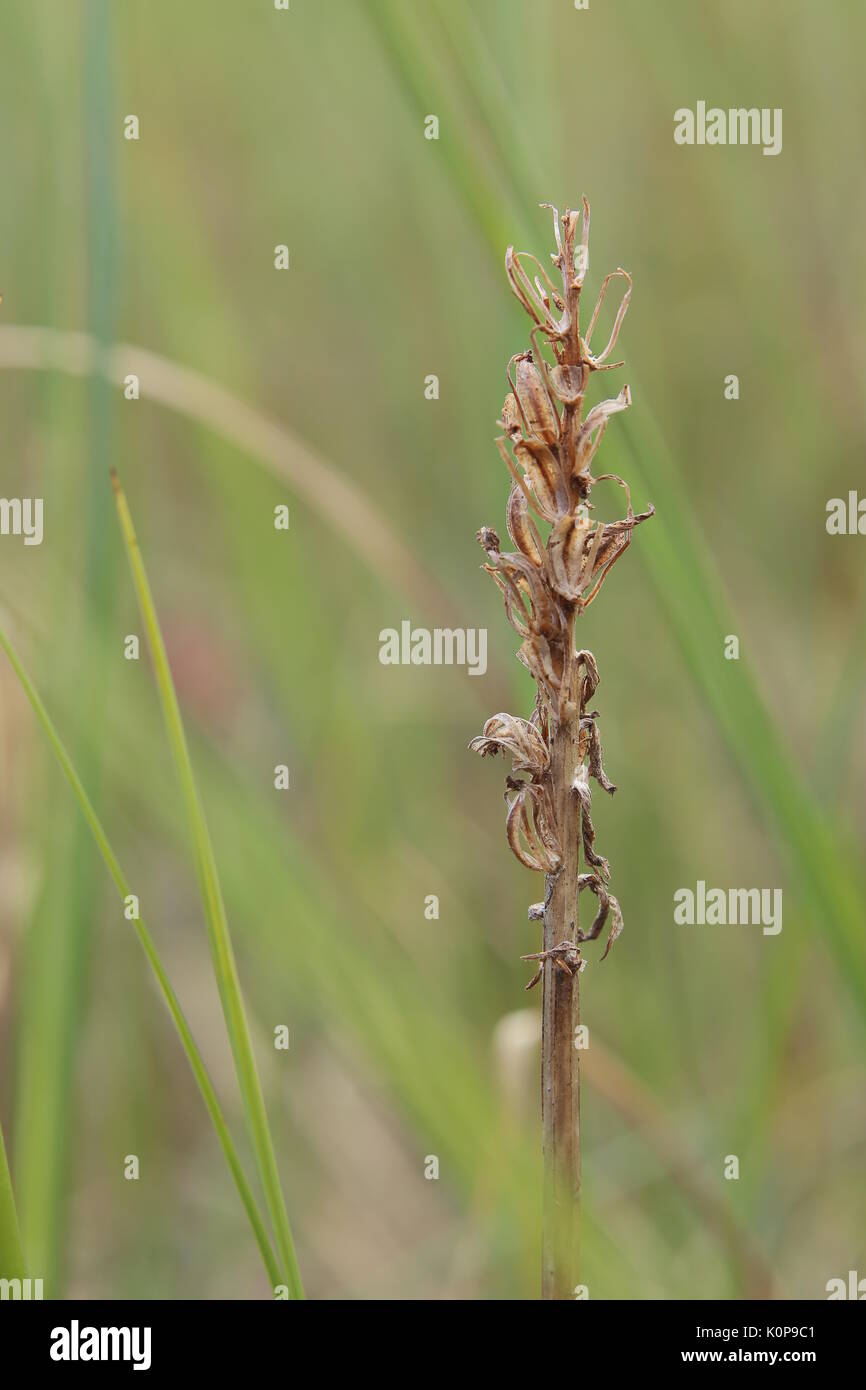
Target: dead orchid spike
560,560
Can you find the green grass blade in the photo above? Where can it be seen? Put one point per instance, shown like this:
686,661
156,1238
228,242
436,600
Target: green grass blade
410,63
12,1263
697,612
148,945
57,949
222,951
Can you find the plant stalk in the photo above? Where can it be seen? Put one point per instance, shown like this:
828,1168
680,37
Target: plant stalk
546,585
560,1059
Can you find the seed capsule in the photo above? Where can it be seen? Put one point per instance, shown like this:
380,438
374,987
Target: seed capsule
542,472
569,383
541,418
522,528
565,548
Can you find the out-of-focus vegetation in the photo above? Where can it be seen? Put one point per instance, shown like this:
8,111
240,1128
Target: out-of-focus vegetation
306,128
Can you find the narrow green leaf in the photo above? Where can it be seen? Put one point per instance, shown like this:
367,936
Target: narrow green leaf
222,951
12,1264
149,947
696,609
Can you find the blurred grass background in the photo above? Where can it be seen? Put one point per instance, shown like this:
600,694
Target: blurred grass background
306,128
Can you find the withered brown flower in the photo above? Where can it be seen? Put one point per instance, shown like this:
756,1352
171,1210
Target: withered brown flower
560,562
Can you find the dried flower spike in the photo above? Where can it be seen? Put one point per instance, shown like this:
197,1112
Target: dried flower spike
560,562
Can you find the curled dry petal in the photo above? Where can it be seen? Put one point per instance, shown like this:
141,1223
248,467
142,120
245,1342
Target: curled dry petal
591,678
607,906
524,579
583,740
602,571
605,409
507,733
616,925
594,882
581,787
596,768
511,415
614,538
537,295
536,656
627,523
515,610
594,426
546,618
591,855
545,823
513,826
529,835
596,361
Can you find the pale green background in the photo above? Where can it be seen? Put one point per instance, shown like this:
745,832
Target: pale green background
306,128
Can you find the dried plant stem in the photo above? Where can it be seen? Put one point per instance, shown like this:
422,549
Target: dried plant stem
560,1059
557,570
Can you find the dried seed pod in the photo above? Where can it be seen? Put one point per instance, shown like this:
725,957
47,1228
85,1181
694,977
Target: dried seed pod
569,383
521,527
543,474
539,415
565,551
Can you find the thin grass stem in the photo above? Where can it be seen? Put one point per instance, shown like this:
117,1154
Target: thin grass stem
222,951
12,1262
148,945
